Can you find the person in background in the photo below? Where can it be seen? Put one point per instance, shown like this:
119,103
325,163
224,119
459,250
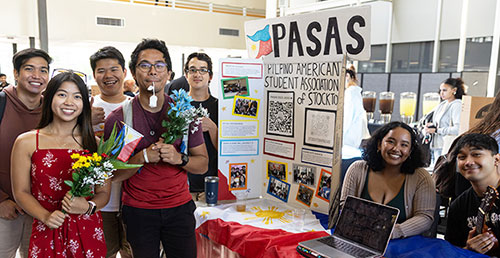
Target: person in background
22,113
199,73
446,116
391,173
3,81
355,127
177,84
108,66
157,205
41,162
129,88
478,161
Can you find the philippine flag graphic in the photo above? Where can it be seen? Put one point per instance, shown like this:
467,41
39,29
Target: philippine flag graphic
130,140
261,43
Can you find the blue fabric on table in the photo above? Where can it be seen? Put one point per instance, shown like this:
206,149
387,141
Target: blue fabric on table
323,220
415,246
422,247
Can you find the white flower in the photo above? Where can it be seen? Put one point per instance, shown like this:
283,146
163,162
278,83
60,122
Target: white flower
73,246
99,234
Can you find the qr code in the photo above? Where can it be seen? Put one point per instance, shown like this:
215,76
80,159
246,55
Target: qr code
280,118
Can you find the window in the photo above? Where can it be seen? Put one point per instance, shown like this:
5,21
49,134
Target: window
376,64
412,57
478,54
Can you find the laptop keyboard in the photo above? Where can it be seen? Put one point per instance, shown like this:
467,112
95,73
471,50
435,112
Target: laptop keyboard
345,247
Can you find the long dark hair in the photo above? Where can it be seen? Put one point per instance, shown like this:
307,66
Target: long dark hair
84,120
374,158
491,122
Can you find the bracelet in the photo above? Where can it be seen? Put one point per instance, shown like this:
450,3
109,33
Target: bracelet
145,154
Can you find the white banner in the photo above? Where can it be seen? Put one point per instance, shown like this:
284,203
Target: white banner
316,37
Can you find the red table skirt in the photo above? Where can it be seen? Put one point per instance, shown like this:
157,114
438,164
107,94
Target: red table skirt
214,237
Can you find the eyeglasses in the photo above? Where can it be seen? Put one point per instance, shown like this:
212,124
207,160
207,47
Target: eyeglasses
62,70
146,67
193,70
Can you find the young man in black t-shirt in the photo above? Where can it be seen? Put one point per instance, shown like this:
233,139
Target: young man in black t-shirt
478,161
198,71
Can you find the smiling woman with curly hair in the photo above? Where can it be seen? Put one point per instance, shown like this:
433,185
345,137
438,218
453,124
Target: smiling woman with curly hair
391,173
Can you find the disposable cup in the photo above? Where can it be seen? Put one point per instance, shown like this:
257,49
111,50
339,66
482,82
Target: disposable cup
241,200
298,216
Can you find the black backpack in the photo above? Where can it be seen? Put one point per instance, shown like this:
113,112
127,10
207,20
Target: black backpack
3,101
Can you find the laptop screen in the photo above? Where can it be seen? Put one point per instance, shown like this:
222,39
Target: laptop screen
366,223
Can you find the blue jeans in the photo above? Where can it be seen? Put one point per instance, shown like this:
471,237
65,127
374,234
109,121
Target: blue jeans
174,227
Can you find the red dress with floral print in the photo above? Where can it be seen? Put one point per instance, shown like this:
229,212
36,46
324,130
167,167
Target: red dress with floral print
79,235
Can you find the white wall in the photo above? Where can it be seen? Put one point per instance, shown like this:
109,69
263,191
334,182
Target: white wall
74,20
175,26
19,18
415,20
380,22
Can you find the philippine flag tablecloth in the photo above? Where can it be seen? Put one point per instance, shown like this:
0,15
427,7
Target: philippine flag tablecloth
265,229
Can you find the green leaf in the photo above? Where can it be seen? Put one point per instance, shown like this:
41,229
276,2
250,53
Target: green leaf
75,177
117,164
69,183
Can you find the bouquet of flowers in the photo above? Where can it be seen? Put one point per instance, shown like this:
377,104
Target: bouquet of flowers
95,168
180,116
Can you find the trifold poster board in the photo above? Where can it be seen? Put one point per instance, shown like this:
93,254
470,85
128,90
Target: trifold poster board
295,102
240,124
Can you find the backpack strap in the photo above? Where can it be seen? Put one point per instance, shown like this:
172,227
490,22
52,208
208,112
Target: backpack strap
127,113
3,101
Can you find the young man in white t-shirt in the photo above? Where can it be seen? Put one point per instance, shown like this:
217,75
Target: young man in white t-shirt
108,66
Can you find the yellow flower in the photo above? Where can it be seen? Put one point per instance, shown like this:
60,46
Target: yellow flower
82,159
86,164
75,156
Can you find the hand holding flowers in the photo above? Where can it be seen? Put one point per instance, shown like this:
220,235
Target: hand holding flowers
93,169
180,115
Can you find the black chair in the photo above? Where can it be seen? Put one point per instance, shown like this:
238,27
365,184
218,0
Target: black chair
432,232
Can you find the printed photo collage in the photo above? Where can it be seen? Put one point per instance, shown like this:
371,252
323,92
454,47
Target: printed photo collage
237,89
312,173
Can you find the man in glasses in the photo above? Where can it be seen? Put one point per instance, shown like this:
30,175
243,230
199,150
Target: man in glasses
199,73
478,161
22,112
108,66
157,205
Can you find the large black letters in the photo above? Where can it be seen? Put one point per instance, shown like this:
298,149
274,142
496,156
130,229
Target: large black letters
332,25
294,39
276,38
313,26
350,29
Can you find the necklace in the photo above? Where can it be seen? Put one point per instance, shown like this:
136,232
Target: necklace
152,128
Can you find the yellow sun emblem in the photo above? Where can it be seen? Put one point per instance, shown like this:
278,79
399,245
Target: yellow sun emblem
270,214
224,108
204,214
253,47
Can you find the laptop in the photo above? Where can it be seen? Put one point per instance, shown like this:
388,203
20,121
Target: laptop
364,229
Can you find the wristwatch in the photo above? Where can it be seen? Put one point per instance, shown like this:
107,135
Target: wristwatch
185,159
92,208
